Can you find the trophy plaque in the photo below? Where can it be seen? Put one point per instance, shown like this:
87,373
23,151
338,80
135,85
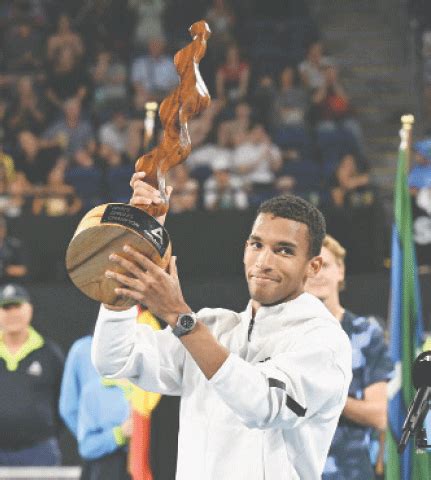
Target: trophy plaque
107,228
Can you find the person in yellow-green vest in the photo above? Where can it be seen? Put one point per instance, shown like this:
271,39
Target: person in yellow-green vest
31,368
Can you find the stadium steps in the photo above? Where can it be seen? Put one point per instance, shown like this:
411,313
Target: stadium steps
367,42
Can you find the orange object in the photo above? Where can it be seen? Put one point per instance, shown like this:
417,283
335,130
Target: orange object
143,403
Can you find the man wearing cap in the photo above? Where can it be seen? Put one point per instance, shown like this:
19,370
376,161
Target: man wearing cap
30,375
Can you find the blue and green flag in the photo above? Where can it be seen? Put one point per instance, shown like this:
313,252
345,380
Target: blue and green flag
406,331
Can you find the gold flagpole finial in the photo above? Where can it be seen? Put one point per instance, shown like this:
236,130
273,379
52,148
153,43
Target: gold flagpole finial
406,134
408,121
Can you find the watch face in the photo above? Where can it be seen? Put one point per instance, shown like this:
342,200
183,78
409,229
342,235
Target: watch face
187,322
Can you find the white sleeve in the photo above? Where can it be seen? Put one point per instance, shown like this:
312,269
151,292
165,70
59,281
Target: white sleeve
123,348
287,389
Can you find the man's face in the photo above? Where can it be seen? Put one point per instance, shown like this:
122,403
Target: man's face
15,317
326,283
276,259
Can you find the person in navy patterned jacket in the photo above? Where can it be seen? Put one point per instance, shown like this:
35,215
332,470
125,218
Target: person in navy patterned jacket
366,406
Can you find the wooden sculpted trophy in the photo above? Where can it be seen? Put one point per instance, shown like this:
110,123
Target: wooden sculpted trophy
107,228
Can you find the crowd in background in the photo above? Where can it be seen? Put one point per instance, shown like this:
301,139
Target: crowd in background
75,78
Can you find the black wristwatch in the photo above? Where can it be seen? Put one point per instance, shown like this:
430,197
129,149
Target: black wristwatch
185,324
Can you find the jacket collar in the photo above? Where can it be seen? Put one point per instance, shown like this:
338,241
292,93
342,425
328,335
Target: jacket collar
33,342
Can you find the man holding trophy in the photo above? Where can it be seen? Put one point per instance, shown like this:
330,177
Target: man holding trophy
262,390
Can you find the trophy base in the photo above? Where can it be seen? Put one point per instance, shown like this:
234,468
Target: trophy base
105,230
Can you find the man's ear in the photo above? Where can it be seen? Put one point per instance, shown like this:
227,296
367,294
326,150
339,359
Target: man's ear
314,266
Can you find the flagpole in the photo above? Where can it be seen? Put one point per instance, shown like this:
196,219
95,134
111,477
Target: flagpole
406,326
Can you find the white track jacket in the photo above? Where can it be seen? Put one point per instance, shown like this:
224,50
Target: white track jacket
269,412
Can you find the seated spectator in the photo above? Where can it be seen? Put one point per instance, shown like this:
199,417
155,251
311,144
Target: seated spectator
200,126
221,20
148,20
257,159
86,179
27,111
115,132
224,191
154,73
290,105
232,78
420,173
118,172
312,68
7,163
35,158
200,161
4,105
298,174
349,185
110,89
72,132
57,198
332,109
184,197
64,37
285,184
264,100
22,48
242,120
13,264
66,80
290,101
11,195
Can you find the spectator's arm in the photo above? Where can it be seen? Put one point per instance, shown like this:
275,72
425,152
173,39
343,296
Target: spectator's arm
78,45
372,410
53,98
16,117
36,112
220,85
243,82
75,206
96,438
70,392
319,95
81,93
275,159
16,270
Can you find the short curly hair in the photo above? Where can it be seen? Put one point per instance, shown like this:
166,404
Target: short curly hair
299,210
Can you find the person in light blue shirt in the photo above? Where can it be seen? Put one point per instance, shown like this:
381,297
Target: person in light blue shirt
104,427
78,371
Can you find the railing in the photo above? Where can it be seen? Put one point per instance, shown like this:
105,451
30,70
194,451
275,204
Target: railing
40,473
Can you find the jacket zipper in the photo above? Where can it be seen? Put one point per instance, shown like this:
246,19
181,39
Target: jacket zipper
250,328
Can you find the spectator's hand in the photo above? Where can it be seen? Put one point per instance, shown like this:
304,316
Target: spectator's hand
127,428
145,194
